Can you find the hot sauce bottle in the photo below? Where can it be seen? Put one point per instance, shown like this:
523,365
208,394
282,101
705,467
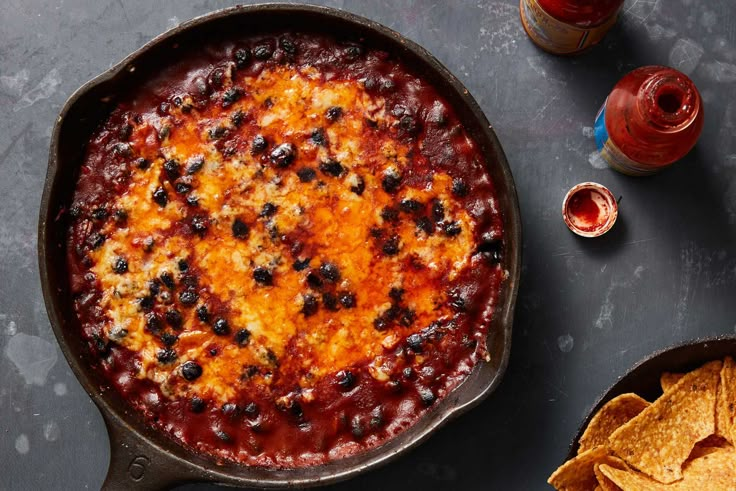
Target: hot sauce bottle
652,118
567,27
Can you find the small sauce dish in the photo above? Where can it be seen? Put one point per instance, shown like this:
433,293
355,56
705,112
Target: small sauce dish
589,209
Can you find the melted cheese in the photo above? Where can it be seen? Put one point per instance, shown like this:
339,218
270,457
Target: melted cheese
332,222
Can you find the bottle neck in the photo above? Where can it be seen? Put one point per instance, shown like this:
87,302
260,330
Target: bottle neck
668,101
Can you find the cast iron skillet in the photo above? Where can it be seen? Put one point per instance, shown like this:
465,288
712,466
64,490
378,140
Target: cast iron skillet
144,458
643,378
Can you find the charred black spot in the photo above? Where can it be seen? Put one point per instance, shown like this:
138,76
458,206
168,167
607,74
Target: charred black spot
231,96
237,118
166,355
221,327
120,266
191,370
196,405
396,294
427,396
345,379
330,272
217,132
200,225
146,303
263,52
172,169
491,249
425,225
452,229
353,52
268,210
380,323
306,174
263,276
347,299
408,316
167,279
192,201
99,213
410,206
242,58
240,229
95,240
438,211
310,305
332,167
169,339
283,155
301,264
242,337
160,197
182,188
203,314
459,187
313,280
173,318
390,214
391,181
153,322
195,165
318,137
188,297
333,113
391,246
409,125
258,145
183,265
330,302
251,410
287,45
120,217
223,435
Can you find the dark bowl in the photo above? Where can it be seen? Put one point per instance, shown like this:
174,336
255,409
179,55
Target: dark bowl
643,378
144,458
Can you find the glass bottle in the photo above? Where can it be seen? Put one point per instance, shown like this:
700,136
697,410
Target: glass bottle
567,27
651,119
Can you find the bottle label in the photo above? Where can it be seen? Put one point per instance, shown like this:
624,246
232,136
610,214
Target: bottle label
610,152
556,36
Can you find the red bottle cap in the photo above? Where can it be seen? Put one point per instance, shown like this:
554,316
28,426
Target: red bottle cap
589,209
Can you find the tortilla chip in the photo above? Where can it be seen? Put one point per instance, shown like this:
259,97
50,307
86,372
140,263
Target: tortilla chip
702,447
660,439
605,484
577,474
716,470
726,402
612,415
668,380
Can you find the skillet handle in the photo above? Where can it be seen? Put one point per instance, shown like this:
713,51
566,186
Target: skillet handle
136,464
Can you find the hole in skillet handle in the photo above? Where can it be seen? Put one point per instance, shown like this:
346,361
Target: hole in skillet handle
643,378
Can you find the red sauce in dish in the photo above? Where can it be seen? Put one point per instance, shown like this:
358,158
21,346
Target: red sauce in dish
284,249
584,209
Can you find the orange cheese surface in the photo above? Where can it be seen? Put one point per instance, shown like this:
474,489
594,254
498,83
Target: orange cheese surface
279,240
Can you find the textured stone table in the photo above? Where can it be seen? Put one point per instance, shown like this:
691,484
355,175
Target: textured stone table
588,309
